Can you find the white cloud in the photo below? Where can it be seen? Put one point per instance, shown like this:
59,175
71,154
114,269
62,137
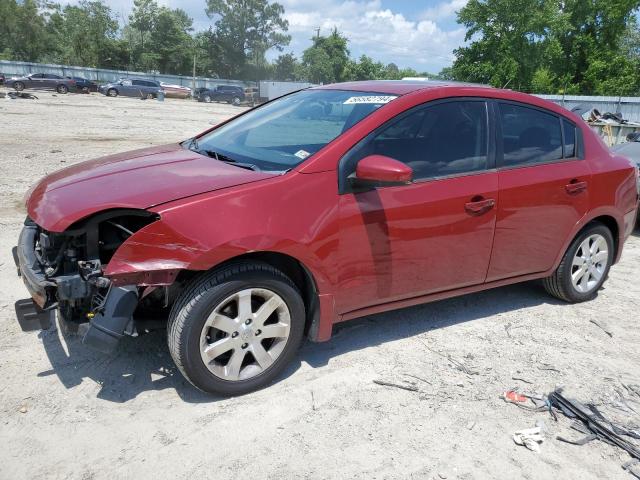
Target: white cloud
424,43
443,10
382,34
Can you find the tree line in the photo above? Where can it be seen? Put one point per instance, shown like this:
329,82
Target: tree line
543,46
156,38
551,46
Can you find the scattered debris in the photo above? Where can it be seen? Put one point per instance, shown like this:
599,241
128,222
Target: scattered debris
418,378
522,380
546,366
530,438
457,363
592,422
55,150
634,389
23,409
389,384
602,325
633,467
514,397
26,96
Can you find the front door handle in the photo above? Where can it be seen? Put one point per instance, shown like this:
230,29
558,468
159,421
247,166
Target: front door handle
479,205
574,187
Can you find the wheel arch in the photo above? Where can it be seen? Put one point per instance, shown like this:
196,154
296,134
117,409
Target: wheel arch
611,223
293,268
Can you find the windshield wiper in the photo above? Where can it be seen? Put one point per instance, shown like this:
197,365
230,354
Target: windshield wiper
223,158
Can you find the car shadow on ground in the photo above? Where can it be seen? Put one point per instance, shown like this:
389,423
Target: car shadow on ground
144,363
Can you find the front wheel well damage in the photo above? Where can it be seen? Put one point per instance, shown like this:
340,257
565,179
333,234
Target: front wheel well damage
290,266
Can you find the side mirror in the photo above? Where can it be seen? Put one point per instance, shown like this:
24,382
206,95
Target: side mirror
378,170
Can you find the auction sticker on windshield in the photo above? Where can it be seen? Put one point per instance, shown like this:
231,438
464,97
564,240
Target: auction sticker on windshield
376,99
302,154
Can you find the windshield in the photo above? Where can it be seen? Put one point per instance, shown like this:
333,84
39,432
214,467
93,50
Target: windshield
287,131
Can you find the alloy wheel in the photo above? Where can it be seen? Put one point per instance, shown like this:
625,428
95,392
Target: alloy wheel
245,334
589,263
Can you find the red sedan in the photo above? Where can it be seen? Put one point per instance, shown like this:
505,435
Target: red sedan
322,206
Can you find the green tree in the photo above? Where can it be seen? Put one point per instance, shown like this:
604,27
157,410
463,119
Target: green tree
170,40
85,33
23,32
285,67
142,21
365,69
568,45
327,59
246,29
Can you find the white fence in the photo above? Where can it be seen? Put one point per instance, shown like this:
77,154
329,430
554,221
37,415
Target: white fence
629,107
102,75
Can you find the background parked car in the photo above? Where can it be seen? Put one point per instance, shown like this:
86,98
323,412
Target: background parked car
1,78
42,81
84,85
631,150
223,93
131,87
175,91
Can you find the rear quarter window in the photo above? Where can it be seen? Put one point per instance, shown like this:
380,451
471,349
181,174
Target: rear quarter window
529,136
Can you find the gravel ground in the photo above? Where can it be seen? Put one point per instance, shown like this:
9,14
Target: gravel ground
71,413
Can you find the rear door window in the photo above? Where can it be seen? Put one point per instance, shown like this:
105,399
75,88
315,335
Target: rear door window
529,136
569,130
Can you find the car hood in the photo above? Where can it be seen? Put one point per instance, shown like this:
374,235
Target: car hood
139,179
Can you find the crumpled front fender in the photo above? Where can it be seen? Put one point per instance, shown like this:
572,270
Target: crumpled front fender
155,254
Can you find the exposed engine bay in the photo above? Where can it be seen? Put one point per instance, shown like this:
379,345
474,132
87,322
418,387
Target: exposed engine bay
64,272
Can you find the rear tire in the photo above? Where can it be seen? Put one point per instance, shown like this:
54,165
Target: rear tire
18,86
207,99
584,267
216,297
62,89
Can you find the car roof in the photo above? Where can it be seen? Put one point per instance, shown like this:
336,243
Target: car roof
396,87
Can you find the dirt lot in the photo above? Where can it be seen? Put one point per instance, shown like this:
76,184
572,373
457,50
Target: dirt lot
69,412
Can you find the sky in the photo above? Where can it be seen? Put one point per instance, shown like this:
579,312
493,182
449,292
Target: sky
411,33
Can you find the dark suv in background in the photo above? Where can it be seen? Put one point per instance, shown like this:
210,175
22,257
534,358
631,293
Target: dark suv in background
131,87
222,93
84,85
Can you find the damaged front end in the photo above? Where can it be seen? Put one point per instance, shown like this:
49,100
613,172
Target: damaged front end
64,272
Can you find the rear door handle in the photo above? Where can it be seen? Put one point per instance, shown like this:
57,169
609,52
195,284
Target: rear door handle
479,205
574,187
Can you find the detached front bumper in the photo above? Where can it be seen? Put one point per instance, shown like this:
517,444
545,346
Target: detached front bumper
110,308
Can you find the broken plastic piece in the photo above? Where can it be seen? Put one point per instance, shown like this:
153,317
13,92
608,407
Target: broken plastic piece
514,397
530,438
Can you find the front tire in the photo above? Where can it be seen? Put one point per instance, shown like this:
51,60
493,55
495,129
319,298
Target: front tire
112,92
18,86
584,267
234,330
